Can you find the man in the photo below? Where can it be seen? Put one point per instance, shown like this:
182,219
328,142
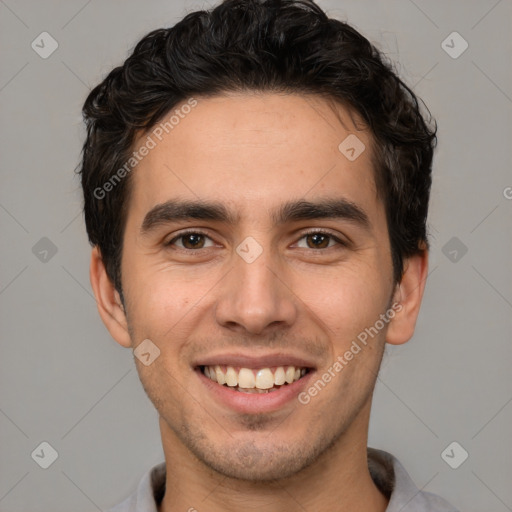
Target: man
256,184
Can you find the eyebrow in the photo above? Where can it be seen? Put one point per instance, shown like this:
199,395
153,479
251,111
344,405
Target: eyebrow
180,210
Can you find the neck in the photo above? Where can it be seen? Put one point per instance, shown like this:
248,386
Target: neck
339,479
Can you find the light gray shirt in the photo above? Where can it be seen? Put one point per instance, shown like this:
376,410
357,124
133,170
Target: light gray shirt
386,471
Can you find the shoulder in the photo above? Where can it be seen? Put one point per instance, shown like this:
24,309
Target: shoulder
404,496
148,494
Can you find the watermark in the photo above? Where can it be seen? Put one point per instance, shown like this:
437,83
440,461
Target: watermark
150,143
355,348
454,249
454,455
44,45
44,250
454,45
45,455
352,147
249,249
146,352
507,192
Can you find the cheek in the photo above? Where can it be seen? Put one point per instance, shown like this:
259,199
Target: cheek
160,306
347,301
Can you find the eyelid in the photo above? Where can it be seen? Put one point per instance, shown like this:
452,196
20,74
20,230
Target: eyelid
323,231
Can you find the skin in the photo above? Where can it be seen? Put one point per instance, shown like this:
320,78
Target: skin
254,152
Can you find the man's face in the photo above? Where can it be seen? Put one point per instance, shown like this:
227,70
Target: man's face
261,291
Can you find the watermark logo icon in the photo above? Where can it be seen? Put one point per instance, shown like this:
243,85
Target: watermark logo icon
249,250
454,45
454,455
352,147
44,455
44,45
44,250
146,352
454,249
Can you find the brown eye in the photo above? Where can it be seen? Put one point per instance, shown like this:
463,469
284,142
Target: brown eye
318,241
193,241
190,241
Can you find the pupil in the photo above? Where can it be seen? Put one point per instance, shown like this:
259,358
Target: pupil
318,239
193,239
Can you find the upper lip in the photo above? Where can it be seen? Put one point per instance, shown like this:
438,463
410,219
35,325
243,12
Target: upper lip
263,361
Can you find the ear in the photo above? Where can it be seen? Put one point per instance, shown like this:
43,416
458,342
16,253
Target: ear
407,297
109,303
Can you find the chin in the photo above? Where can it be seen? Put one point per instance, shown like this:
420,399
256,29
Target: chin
252,463
261,472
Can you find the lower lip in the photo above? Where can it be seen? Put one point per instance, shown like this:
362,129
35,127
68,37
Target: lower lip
254,403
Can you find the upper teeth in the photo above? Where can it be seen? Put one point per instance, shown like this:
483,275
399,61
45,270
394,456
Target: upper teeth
262,378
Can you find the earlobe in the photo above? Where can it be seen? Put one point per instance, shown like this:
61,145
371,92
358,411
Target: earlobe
409,294
109,303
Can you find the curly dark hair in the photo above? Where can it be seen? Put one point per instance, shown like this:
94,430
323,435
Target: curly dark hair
289,46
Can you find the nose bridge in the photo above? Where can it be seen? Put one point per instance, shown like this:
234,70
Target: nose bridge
256,280
253,295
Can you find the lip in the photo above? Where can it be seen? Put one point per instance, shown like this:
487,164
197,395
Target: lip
255,403
253,362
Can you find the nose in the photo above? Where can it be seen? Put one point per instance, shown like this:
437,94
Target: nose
254,297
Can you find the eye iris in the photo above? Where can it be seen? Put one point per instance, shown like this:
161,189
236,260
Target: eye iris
194,239
319,240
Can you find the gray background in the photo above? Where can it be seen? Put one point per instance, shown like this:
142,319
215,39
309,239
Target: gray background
63,380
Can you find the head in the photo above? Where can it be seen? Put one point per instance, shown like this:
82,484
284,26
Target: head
231,125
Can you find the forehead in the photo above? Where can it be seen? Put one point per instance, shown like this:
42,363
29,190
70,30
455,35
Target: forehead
253,151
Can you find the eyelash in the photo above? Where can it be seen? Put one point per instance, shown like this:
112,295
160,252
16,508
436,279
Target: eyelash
303,235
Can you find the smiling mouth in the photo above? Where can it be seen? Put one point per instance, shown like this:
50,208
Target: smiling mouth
254,380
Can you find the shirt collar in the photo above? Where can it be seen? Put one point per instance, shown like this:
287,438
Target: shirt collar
386,471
